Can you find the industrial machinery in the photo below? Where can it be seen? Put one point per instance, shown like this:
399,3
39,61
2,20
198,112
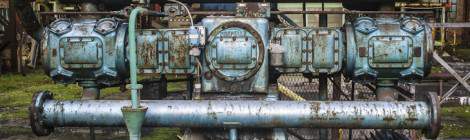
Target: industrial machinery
386,50
235,56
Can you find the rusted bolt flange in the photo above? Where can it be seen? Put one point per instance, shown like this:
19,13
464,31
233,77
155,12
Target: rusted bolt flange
433,101
35,114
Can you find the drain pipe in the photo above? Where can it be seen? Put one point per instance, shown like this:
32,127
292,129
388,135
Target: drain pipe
233,134
134,115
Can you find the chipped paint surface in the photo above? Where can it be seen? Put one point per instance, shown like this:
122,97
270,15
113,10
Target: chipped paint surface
235,57
254,114
164,51
388,48
310,50
75,51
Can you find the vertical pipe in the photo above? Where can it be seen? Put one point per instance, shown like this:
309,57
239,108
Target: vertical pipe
233,134
279,134
323,21
385,90
323,95
134,116
322,87
304,16
190,87
132,57
90,91
443,21
402,9
273,95
163,87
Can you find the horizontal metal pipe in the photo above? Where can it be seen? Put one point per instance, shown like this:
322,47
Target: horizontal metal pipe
420,4
233,114
117,13
450,25
120,2
351,12
315,12
213,13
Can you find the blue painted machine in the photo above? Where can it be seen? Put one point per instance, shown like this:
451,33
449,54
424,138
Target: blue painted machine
233,54
83,50
235,57
388,48
308,50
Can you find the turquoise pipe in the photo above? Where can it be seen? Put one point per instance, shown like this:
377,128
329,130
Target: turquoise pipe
135,114
133,57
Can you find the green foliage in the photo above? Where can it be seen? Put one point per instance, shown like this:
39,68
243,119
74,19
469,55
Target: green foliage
162,134
16,92
456,123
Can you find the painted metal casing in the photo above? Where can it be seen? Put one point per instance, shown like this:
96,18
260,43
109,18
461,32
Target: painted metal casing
235,55
85,50
388,49
309,50
166,51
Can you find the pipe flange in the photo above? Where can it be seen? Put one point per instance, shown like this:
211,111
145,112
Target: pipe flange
433,101
35,113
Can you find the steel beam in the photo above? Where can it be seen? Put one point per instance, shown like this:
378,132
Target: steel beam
452,90
451,71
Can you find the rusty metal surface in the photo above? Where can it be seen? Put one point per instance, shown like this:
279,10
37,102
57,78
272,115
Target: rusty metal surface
254,9
313,12
310,50
387,48
351,12
76,50
235,57
309,90
255,114
164,51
